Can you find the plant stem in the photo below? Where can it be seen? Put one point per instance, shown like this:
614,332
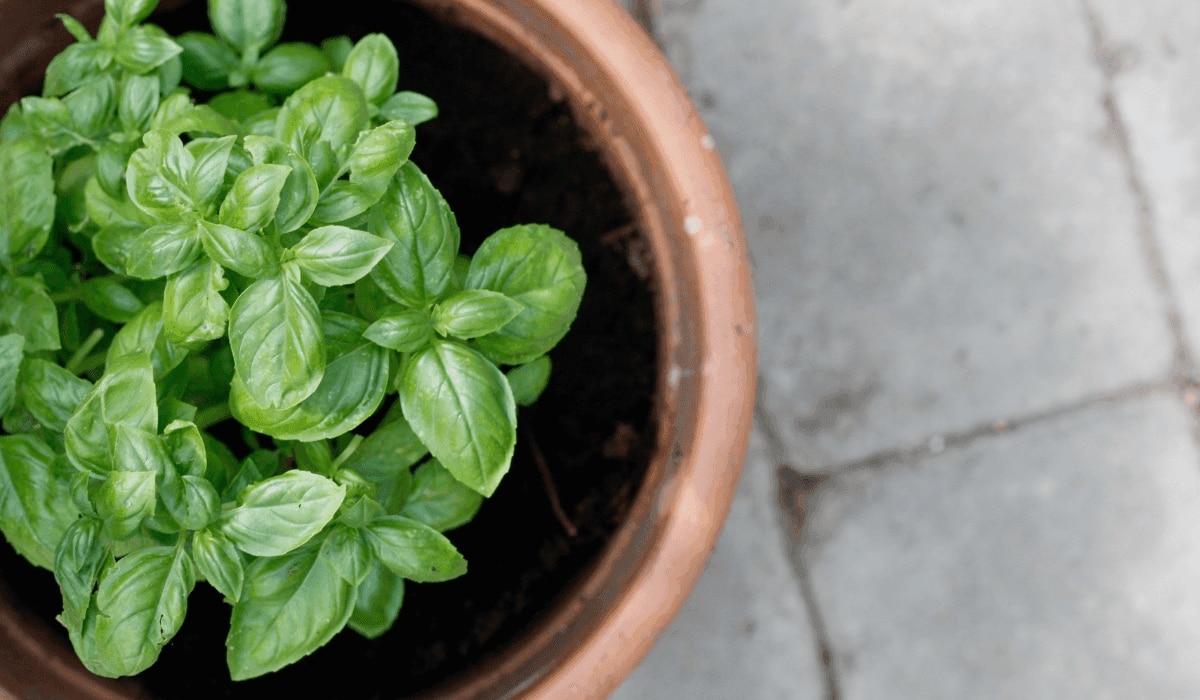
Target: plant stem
211,415
65,295
79,361
350,448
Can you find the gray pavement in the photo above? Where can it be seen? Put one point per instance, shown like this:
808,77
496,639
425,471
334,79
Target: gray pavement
976,234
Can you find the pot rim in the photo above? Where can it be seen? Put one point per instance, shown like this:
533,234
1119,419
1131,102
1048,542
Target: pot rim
625,94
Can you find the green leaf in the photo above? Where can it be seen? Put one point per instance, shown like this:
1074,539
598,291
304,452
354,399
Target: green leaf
412,107
248,25
350,392
278,348
414,550
405,331
335,255
542,269
77,561
129,12
373,162
141,50
378,602
123,501
298,197
241,105
473,313
290,606
280,514
529,380
51,393
140,605
92,106
414,216
185,447
139,102
337,48
207,62
330,110
12,348
144,334
123,396
157,176
110,300
77,65
26,201
287,67
391,449
35,507
26,309
218,561
163,250
194,312
439,500
208,175
241,251
461,407
252,202
374,65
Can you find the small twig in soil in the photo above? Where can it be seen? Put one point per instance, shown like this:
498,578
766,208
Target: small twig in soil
618,234
548,482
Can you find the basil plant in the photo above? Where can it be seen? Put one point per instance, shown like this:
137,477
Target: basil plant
218,227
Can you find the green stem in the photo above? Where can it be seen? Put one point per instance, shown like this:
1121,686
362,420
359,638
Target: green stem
79,361
350,448
211,415
65,295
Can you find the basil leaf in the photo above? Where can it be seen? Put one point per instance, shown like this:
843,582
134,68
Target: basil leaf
77,561
280,514
350,392
248,25
185,447
529,380
298,197
139,102
77,65
413,550
252,202
163,250
539,267
26,200
439,500
335,255
123,501
123,396
129,12
194,312
208,174
461,407
26,309
290,606
387,452
412,107
378,602
337,48
141,50
405,331
373,162
414,216
241,105
11,351
241,251
140,605
35,507
207,62
110,300
473,313
144,334
51,393
278,349
218,561
91,106
330,110
157,176
374,65
287,67
50,119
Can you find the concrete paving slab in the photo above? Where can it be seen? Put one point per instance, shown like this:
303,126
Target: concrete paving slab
1151,51
943,233
744,631
1059,561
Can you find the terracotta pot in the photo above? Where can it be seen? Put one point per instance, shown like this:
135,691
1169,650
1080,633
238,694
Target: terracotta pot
623,92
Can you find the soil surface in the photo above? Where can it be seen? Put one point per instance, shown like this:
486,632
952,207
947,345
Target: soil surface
502,152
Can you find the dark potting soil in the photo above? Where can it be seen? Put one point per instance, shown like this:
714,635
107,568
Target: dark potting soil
502,152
